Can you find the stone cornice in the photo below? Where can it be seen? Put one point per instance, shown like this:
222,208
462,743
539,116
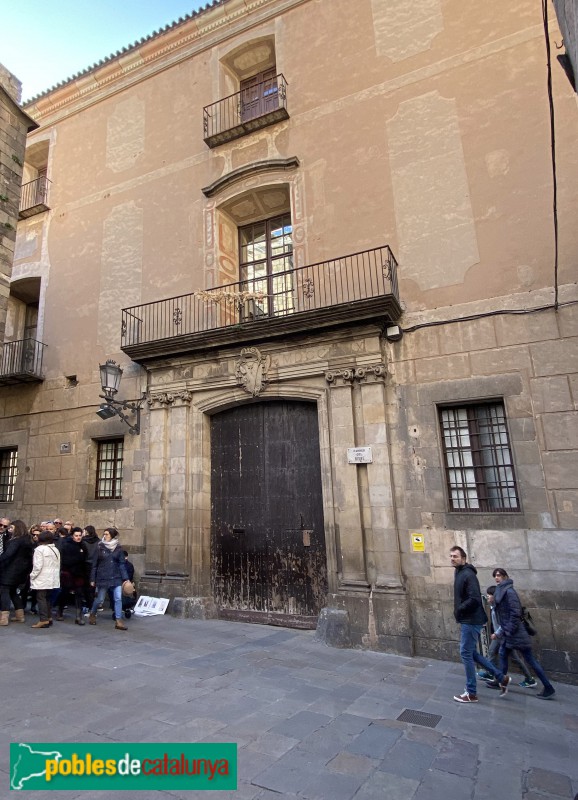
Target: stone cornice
202,31
269,165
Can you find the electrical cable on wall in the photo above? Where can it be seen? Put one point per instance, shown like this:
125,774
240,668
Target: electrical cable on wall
553,148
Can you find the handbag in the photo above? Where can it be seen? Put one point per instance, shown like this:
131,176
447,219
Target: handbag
128,588
528,622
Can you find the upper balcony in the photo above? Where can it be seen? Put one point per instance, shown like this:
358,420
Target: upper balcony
251,109
347,290
21,362
34,197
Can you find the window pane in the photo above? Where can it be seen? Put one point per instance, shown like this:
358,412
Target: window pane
479,469
8,473
109,470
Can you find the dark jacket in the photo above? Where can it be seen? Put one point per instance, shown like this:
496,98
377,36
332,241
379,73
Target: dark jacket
108,567
91,542
16,561
468,607
73,557
509,610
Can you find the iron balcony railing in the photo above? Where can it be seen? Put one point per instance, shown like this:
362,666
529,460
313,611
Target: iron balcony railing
21,361
249,110
327,293
34,197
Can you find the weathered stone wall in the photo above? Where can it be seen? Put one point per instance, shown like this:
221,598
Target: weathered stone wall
14,126
530,361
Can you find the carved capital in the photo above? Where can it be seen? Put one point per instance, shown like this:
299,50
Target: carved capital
359,374
167,399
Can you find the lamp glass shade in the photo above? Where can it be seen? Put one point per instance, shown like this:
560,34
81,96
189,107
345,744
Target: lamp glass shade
105,411
110,375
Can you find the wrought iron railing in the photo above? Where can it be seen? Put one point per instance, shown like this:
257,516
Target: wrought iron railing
34,196
22,360
250,109
343,281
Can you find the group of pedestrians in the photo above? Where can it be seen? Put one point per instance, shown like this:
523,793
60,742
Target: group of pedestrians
54,563
510,637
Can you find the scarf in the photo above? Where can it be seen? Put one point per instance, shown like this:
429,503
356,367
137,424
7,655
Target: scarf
112,545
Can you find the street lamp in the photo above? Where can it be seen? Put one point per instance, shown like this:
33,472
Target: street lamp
110,375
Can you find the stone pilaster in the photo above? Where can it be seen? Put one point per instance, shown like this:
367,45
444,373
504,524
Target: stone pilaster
348,512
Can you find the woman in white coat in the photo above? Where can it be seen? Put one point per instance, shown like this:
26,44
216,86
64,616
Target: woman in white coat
45,577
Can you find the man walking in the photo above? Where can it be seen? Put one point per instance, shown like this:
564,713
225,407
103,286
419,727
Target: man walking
469,613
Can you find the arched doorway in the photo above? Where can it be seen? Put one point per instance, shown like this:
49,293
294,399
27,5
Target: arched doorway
268,561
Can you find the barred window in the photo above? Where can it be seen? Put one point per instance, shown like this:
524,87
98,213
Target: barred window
109,469
8,473
478,459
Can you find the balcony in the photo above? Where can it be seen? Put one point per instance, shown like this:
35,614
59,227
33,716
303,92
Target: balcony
348,290
34,197
21,362
249,110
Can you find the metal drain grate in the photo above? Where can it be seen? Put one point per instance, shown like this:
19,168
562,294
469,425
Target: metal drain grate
419,718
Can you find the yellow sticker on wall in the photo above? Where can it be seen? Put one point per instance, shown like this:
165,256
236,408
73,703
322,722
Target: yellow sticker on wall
417,542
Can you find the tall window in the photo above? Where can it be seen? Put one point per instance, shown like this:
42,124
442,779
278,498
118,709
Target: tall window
478,460
266,264
109,469
8,473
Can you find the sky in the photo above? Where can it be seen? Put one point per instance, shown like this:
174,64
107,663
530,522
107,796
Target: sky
44,42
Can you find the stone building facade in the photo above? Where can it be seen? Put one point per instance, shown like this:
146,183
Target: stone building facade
320,244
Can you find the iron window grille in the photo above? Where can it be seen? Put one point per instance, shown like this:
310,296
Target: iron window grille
478,459
8,473
109,461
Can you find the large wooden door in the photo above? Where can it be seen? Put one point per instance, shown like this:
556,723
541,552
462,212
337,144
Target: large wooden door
268,542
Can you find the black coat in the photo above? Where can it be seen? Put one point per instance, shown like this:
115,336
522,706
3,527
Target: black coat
73,556
108,567
16,561
468,607
509,611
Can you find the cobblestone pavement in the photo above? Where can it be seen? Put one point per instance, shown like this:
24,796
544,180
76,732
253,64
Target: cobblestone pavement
310,721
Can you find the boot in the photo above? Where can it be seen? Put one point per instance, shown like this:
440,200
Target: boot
42,623
92,619
4,617
18,615
79,619
120,626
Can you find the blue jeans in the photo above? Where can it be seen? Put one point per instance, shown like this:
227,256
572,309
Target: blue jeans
530,660
469,654
101,594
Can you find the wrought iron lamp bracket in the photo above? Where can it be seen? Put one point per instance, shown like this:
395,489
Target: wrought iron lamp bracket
118,407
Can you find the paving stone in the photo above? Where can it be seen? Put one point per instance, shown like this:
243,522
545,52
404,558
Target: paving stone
384,786
301,724
496,779
543,780
273,744
374,741
408,759
350,764
458,757
443,785
329,785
